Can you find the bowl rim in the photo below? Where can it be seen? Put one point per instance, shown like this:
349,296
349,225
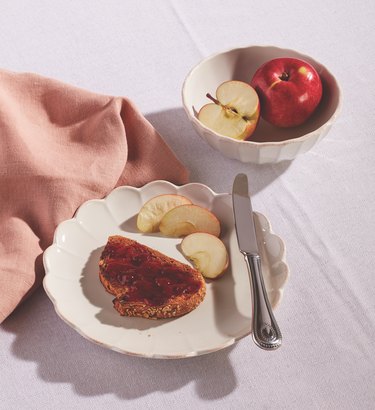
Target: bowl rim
224,138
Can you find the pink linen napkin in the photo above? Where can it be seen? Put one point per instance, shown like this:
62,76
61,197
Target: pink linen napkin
61,146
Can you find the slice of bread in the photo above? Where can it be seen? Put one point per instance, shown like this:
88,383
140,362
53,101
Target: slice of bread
147,283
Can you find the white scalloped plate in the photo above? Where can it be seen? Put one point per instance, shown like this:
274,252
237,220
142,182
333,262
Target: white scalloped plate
72,281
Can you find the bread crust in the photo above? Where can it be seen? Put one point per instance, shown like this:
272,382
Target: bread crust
117,256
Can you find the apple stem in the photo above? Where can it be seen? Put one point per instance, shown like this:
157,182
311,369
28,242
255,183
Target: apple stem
208,95
284,76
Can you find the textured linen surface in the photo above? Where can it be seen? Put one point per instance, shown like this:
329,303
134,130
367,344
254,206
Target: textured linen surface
61,146
321,205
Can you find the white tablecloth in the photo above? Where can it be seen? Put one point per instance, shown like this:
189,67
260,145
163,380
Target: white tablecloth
321,204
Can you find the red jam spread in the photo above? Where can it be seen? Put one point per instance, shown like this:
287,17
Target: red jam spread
147,279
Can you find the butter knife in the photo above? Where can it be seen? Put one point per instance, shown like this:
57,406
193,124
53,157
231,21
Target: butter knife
266,332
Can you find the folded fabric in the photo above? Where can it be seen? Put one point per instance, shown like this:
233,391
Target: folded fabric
61,146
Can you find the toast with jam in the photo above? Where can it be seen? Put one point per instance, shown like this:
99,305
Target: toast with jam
147,283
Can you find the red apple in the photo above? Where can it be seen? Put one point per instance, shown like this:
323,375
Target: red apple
289,91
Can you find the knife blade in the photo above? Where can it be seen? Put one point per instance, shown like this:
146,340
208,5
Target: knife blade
266,332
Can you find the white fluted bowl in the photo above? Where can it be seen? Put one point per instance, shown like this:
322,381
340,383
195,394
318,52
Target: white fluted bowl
268,144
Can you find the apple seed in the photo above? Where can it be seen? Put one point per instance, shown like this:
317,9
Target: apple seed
226,107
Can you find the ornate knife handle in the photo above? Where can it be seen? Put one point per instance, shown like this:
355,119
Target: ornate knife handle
266,332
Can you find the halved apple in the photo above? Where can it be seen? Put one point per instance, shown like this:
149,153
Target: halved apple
234,112
207,253
152,212
186,219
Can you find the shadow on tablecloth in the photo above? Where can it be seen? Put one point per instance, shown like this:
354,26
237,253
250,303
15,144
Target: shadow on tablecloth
63,356
206,165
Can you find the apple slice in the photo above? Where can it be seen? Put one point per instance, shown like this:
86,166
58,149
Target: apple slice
235,112
207,253
186,219
152,212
